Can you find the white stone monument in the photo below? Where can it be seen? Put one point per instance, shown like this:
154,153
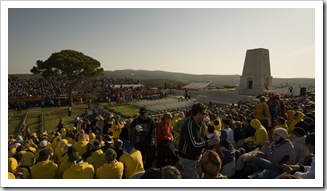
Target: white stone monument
256,77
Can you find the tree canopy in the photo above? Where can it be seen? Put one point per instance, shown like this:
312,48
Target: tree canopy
69,65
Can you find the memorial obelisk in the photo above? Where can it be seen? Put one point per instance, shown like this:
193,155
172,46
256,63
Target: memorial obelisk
256,77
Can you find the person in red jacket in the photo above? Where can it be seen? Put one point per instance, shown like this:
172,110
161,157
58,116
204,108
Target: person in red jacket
166,153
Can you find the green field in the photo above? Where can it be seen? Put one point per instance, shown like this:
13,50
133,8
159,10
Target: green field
51,116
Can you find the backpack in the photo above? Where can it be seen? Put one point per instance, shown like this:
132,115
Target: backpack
274,108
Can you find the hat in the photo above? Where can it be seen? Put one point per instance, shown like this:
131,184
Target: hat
281,132
43,143
12,164
298,131
110,155
127,146
211,163
143,111
310,139
96,144
223,135
45,153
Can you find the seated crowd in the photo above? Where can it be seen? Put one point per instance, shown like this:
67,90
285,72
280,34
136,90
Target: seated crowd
262,140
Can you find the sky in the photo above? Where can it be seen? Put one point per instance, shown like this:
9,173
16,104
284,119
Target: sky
186,40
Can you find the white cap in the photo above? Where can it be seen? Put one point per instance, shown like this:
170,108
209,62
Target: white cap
43,143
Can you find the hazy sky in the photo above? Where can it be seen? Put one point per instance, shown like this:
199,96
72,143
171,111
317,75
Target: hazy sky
196,41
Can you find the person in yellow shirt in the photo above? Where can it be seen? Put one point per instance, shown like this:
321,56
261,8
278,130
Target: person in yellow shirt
59,151
15,171
260,136
78,169
178,116
64,164
261,112
132,160
116,127
298,116
11,175
27,158
97,157
280,122
45,168
81,144
113,169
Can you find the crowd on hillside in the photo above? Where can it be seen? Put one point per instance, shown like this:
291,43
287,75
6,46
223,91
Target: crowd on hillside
272,138
37,87
21,91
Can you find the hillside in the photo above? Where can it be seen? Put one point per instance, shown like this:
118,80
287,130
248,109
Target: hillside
173,79
217,80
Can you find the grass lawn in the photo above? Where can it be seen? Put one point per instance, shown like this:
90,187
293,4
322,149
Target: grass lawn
126,110
51,116
15,121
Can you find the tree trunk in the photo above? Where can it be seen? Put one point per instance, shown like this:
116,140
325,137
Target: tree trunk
70,96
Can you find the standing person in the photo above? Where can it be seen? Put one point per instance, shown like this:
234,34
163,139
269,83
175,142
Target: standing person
143,136
166,152
116,127
192,142
60,124
58,104
261,112
276,107
69,111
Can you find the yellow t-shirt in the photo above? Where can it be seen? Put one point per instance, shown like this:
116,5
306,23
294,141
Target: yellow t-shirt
110,171
133,162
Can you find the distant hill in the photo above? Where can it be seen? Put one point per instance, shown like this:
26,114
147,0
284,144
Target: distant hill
217,80
158,78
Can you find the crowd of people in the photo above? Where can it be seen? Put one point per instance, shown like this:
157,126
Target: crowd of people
271,138
49,91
